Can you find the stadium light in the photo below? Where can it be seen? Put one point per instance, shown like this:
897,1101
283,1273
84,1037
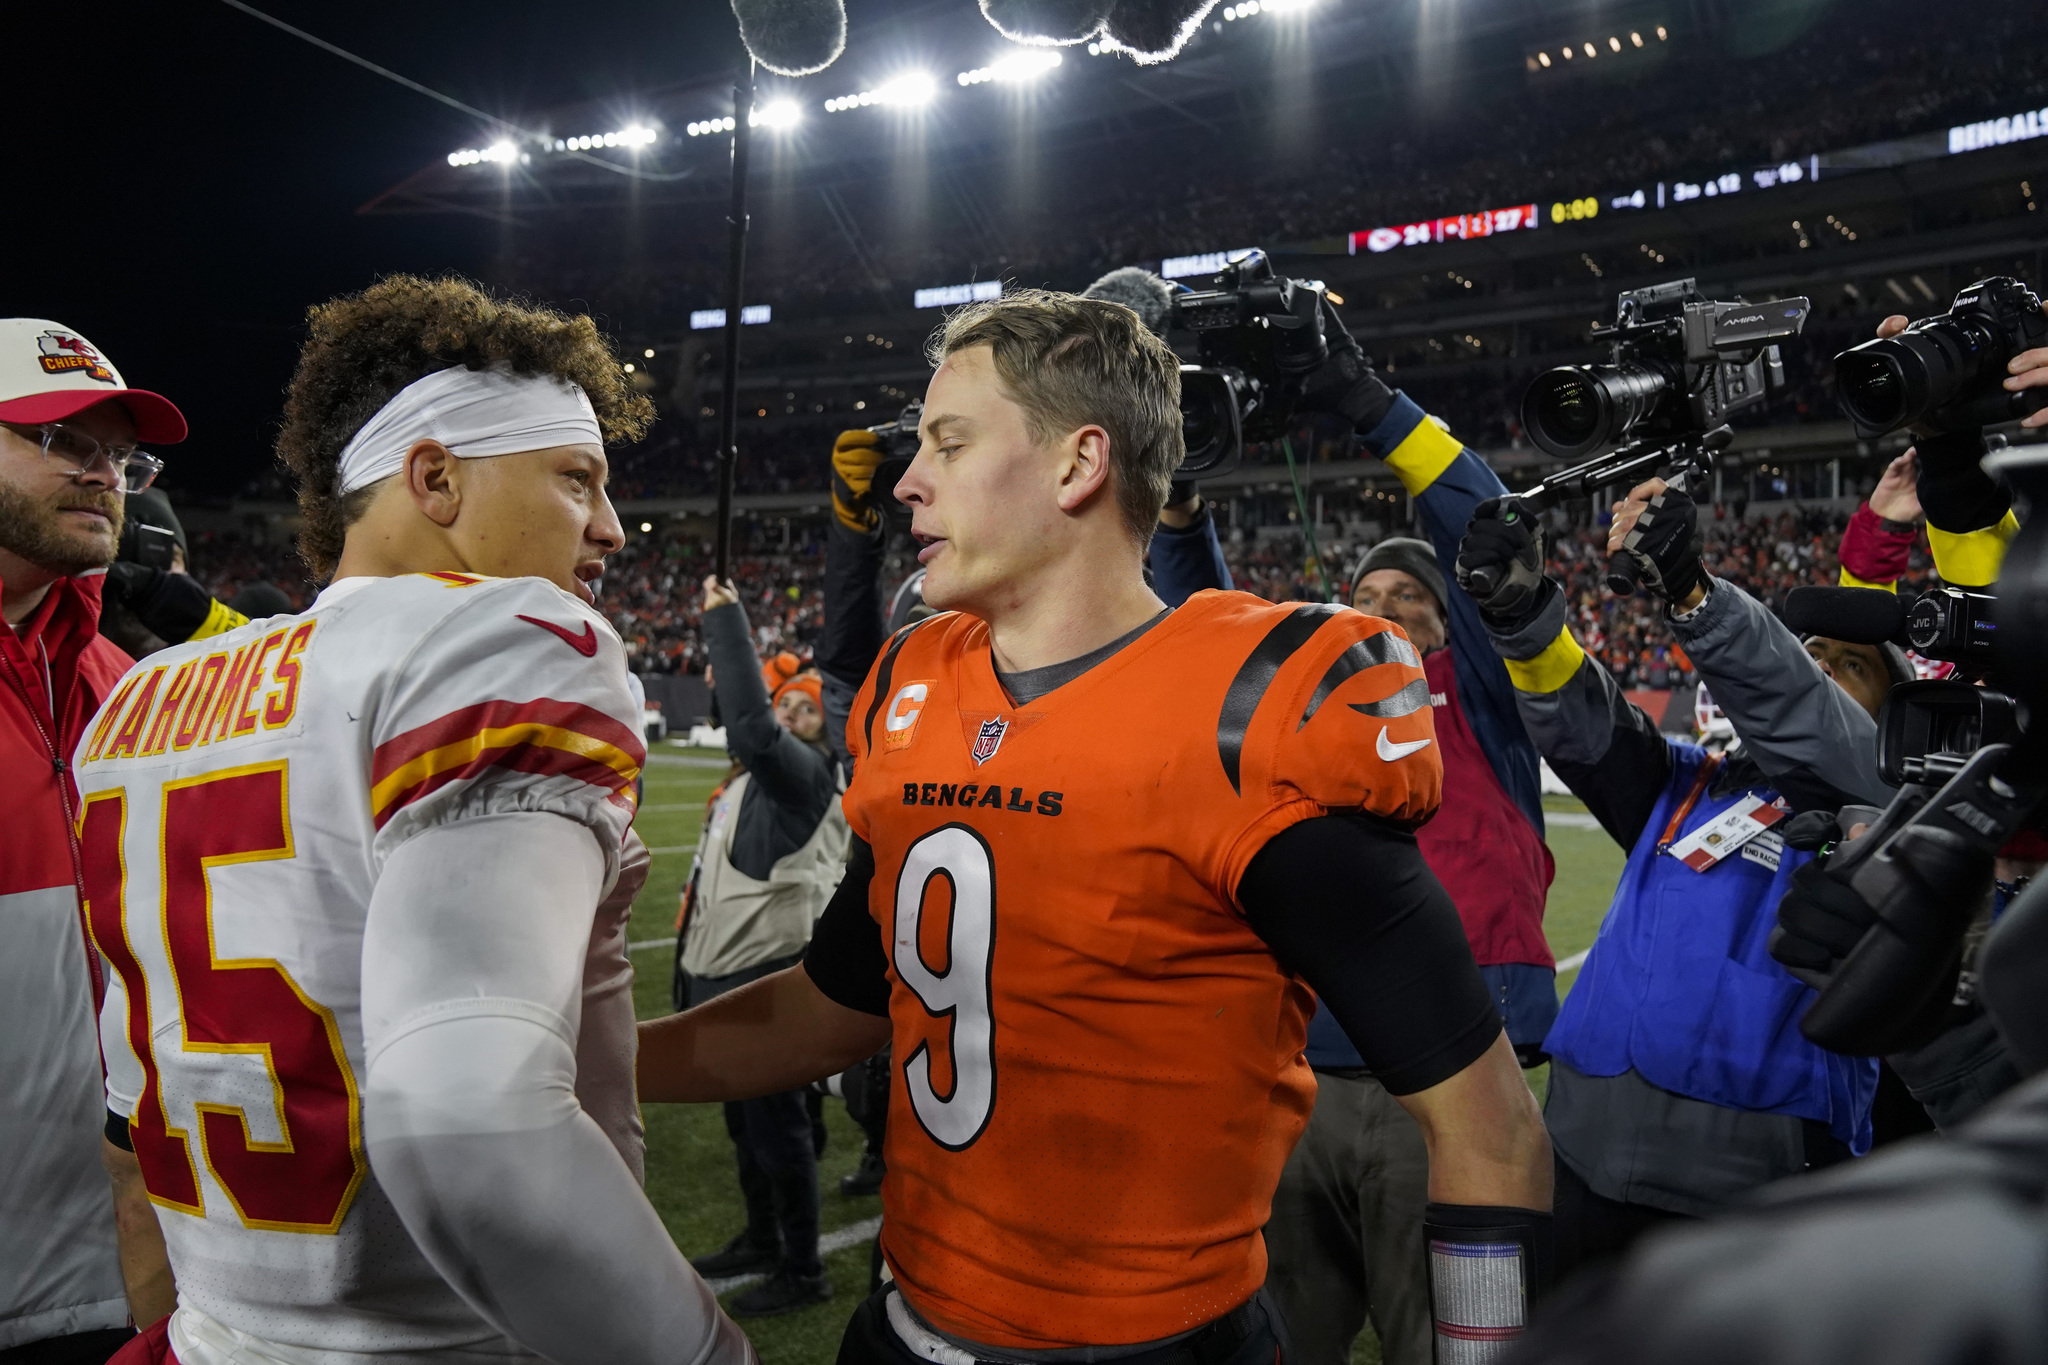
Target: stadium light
1245,9
500,152
711,125
910,90
633,135
1025,64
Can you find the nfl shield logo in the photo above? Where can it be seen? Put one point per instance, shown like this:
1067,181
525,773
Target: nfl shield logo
988,740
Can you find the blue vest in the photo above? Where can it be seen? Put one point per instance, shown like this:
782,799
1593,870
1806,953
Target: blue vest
1680,988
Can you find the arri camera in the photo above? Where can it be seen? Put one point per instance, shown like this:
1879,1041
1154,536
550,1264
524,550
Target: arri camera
1258,336
1680,364
1946,374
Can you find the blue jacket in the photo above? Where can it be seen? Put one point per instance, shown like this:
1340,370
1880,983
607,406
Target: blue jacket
1187,559
1679,986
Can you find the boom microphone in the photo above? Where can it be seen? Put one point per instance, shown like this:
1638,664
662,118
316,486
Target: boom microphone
1141,291
792,37
1859,616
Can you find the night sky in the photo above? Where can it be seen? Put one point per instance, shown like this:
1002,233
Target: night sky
185,178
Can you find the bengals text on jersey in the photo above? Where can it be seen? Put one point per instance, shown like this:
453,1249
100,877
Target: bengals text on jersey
1099,1063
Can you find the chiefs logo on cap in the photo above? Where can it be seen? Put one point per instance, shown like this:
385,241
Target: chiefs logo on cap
63,353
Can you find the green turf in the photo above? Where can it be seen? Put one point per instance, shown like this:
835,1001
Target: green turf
689,1159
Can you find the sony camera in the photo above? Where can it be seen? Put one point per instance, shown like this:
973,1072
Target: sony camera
899,448
1945,374
1681,364
1258,337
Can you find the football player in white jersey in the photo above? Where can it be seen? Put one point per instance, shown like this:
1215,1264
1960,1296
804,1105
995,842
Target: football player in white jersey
362,875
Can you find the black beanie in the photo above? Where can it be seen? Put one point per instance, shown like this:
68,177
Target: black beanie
1416,558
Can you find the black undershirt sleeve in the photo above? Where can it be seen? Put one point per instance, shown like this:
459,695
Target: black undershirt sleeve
845,958
1346,903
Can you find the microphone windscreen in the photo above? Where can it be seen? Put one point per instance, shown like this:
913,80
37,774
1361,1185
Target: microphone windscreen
1154,30
792,37
1861,616
1059,23
1141,291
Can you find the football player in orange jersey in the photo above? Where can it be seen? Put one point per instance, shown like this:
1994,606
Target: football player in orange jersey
1102,852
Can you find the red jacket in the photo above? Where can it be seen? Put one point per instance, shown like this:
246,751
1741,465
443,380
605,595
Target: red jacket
59,1272
58,649
1480,845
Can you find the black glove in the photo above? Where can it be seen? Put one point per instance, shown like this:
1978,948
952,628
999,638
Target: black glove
1345,384
171,605
1956,495
1500,564
1665,544
1820,920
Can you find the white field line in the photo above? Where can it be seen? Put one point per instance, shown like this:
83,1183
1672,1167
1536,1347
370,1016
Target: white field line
1570,819
1572,963
644,944
853,1234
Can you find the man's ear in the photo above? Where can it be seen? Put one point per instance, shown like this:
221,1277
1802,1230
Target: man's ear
433,477
1085,470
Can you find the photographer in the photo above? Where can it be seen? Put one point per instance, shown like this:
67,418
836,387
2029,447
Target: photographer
772,850
1679,1079
1933,1251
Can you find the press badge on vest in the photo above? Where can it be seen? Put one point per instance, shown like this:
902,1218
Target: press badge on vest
1732,830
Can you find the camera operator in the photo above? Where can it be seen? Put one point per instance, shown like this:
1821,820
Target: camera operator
772,851
1679,1079
1933,1251
69,428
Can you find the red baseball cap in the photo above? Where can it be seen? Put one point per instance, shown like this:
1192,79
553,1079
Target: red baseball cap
49,372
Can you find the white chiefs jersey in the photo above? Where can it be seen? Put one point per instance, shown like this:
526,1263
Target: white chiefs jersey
239,796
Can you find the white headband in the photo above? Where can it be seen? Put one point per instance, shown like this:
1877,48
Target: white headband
474,413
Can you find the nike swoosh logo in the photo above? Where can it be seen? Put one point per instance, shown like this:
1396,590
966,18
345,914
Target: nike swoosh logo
586,643
1389,751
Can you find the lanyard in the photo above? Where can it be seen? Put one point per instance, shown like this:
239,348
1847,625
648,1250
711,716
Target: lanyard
1699,785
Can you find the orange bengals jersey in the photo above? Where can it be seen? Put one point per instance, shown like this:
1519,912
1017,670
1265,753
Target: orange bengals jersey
1099,1069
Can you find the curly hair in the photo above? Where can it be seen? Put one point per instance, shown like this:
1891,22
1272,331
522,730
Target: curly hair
363,348
1069,361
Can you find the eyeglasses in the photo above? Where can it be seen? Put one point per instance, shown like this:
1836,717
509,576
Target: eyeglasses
76,452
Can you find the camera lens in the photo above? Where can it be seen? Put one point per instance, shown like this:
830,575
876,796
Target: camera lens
1895,381
1211,420
1576,409
1873,387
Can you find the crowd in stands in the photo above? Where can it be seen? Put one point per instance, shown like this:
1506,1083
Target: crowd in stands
227,562
651,588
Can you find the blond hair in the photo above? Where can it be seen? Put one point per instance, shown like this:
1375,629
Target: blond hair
1071,362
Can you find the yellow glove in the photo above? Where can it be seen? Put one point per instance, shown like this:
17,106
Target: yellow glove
855,456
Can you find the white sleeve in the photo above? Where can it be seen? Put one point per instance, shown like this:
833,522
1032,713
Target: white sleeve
518,701
123,1067
608,1043
473,973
